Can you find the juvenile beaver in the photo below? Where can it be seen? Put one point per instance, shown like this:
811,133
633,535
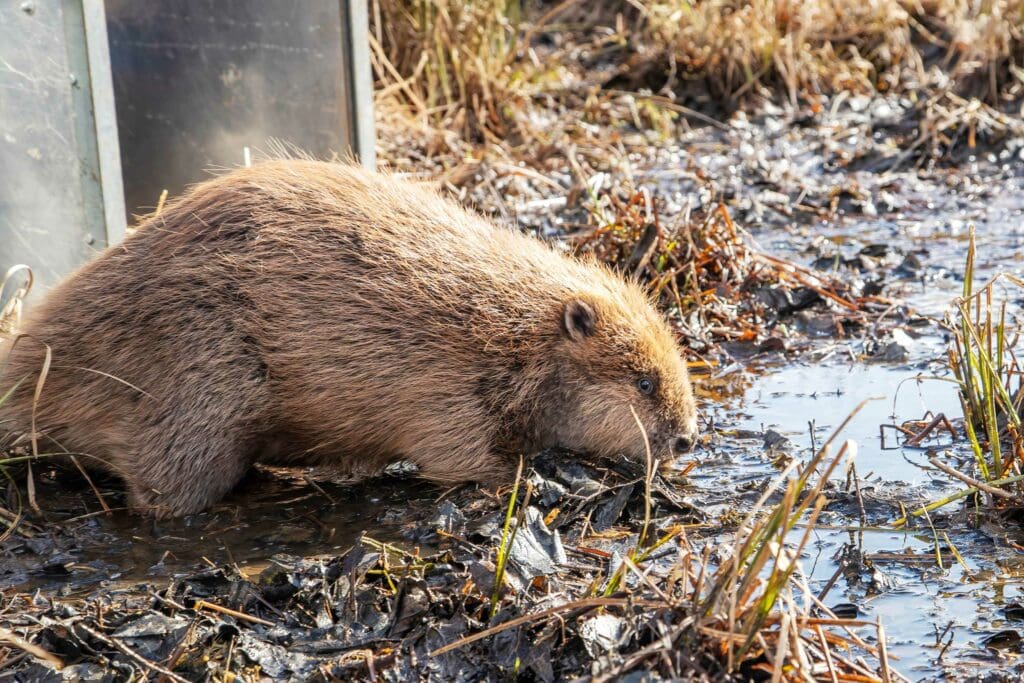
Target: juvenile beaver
314,313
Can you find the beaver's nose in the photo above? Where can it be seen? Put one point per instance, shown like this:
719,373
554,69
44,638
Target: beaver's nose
684,443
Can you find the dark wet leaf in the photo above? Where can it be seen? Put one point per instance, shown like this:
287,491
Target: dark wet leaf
482,573
226,631
773,344
610,512
873,287
355,558
1002,640
581,481
911,266
40,545
880,582
774,441
63,642
876,250
568,471
829,262
816,324
79,673
1014,611
536,550
484,529
507,646
539,660
846,610
275,661
601,634
413,603
449,518
894,347
1012,514
785,301
547,492
151,624
55,569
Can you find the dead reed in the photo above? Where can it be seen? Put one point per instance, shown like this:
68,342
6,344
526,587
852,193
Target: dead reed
507,79
982,356
706,271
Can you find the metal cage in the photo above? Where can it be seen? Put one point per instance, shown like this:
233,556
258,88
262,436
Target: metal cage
103,106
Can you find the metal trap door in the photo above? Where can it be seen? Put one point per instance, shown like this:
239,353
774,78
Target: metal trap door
60,180
197,82
103,103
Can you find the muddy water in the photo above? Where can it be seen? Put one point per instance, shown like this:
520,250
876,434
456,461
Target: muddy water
270,513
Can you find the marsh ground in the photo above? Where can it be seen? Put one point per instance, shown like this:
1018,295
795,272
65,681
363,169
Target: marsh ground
861,201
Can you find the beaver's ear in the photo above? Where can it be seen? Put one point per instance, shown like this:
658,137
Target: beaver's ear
578,320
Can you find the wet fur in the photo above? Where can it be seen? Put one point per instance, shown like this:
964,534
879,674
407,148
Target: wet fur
304,312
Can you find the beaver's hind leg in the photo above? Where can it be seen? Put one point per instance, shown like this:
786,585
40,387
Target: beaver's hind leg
188,476
189,460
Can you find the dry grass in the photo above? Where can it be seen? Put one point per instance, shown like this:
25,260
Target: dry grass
450,63
831,46
508,79
804,47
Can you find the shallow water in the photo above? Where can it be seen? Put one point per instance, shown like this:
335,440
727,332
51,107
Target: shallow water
920,596
920,599
268,514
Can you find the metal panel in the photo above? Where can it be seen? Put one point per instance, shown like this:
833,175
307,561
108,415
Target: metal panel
356,43
195,82
52,167
199,81
108,148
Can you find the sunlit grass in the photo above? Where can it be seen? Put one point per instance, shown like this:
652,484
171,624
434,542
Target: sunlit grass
982,357
985,365
472,73
508,536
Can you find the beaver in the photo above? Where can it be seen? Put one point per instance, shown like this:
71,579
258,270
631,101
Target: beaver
302,312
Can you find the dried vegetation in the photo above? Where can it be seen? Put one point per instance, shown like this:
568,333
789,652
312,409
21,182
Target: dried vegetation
712,280
522,85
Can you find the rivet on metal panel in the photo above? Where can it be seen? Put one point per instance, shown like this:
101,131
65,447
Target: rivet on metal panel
28,7
89,239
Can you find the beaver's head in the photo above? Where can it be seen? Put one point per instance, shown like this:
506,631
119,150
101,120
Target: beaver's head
618,365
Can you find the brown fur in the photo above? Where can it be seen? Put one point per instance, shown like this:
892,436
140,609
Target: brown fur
304,312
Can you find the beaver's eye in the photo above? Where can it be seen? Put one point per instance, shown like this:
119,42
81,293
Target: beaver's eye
645,385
